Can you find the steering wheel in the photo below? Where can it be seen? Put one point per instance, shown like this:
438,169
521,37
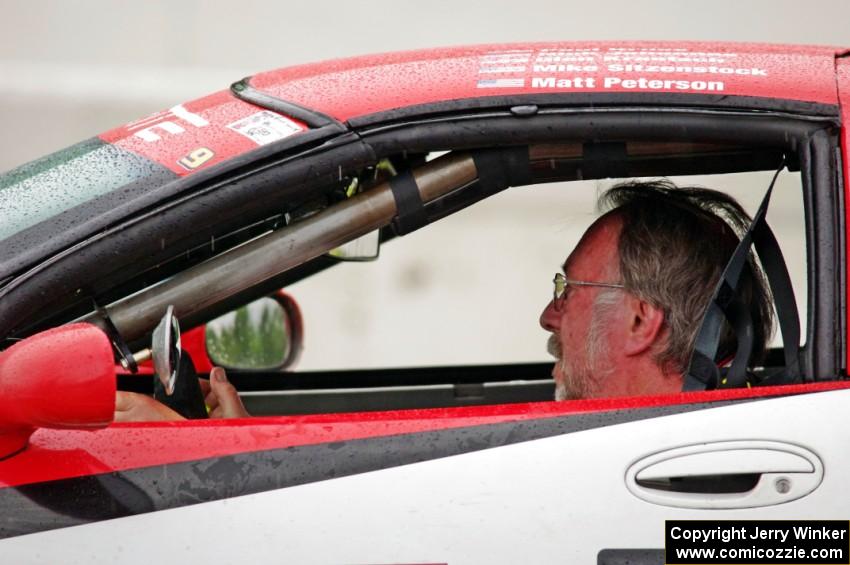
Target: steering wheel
176,381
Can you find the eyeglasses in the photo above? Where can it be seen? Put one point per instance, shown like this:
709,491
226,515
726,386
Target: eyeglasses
562,283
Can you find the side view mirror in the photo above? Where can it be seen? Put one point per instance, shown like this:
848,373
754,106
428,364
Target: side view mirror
60,378
265,335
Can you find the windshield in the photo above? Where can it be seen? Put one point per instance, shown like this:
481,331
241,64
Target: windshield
44,188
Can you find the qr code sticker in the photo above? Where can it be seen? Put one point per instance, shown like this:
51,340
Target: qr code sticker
265,127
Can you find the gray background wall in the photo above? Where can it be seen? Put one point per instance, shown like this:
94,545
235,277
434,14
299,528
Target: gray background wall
72,69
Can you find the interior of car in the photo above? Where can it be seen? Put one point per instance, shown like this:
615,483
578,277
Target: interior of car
342,377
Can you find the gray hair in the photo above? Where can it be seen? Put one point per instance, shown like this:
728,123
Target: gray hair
673,247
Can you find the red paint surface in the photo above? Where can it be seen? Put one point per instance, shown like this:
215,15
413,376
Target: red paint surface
349,88
55,454
218,110
62,378
359,86
842,68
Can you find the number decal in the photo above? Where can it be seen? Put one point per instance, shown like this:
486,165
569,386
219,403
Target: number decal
158,121
196,158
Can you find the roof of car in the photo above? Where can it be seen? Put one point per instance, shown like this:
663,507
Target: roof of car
368,90
354,87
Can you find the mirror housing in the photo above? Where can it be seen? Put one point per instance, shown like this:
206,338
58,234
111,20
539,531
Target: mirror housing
165,350
60,378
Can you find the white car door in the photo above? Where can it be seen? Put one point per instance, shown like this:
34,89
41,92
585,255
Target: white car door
569,496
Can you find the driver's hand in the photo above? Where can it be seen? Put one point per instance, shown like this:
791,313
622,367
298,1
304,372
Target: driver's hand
221,397
135,407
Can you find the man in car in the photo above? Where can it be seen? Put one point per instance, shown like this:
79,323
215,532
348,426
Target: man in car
633,293
628,305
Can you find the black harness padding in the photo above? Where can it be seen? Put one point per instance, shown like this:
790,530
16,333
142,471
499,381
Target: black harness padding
742,322
606,159
783,298
703,373
410,211
502,167
187,399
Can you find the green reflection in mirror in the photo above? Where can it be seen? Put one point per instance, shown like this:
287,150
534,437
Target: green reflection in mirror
253,337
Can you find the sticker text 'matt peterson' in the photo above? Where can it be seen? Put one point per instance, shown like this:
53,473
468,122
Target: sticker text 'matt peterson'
612,69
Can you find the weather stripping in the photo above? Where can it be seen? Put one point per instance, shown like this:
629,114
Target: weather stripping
244,91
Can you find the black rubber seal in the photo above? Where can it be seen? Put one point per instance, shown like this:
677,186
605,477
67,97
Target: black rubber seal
546,100
410,209
244,91
759,129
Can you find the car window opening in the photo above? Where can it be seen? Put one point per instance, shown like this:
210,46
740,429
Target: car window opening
485,173
567,160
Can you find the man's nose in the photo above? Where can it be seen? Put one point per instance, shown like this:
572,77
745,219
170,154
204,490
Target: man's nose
550,318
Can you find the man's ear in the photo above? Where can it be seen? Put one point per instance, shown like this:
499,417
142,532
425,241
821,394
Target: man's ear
644,325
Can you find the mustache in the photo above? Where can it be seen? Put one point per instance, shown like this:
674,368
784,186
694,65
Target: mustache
553,346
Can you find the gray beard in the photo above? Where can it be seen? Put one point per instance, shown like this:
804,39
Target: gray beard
579,381
575,381
553,346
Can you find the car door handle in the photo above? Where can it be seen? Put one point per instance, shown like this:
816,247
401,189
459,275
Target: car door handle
728,474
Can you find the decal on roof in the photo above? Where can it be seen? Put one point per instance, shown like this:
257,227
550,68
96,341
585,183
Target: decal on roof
356,87
198,134
614,69
265,127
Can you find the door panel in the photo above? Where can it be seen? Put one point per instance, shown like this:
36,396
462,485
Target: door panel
554,500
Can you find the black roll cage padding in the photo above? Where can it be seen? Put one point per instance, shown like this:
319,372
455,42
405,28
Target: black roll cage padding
497,168
408,202
501,168
703,372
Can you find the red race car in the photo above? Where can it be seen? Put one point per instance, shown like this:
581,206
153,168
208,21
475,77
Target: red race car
111,246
